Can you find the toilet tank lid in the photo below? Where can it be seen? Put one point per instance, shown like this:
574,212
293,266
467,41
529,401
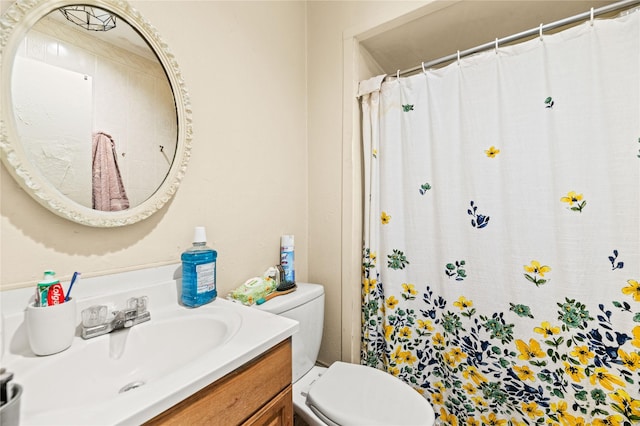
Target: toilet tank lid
304,293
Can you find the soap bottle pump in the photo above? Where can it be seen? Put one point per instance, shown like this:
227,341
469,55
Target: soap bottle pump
199,271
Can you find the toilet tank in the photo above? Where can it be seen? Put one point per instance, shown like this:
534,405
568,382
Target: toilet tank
305,305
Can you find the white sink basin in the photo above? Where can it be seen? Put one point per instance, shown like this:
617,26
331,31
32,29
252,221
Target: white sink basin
130,376
125,360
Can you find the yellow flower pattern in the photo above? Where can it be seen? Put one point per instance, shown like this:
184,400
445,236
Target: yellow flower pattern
572,197
369,284
547,329
574,371
636,336
392,302
575,201
534,320
582,353
602,393
463,303
493,420
425,325
524,373
409,291
532,410
626,405
633,289
448,418
574,364
604,378
530,351
473,374
385,218
388,329
535,272
492,152
629,360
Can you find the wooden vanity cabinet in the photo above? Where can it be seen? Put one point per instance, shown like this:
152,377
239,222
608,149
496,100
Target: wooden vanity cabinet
258,394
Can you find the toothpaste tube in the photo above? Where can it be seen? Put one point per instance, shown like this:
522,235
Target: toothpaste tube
55,294
49,291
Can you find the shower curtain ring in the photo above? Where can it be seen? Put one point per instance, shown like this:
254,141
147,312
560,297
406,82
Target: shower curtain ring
423,70
398,75
458,58
496,46
540,32
592,17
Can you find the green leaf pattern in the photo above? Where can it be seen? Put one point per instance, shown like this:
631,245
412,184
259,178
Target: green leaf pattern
476,367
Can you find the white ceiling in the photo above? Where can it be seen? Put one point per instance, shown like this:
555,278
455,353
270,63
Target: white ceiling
461,25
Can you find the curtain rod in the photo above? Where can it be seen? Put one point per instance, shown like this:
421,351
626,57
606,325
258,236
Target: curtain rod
543,27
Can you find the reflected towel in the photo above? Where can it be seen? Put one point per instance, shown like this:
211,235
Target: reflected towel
108,190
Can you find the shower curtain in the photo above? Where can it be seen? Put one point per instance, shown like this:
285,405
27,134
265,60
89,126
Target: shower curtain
501,257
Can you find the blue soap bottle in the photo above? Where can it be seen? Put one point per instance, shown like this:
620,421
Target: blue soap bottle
199,271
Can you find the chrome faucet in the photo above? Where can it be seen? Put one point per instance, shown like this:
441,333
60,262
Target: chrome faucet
96,321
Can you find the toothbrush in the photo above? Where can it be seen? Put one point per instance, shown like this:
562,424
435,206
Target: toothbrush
76,275
275,294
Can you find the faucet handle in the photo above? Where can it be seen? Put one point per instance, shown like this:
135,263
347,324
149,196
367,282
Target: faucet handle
94,315
138,303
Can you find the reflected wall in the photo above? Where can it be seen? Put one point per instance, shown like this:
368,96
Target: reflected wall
129,98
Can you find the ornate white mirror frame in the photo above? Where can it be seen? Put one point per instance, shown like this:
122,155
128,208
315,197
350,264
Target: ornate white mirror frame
14,25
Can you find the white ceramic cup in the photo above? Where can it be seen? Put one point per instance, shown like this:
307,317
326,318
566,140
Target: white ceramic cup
51,328
10,412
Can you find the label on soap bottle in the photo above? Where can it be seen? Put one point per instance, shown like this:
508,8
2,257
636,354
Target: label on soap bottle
206,273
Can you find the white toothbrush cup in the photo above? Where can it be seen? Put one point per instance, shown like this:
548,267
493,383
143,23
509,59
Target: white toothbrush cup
51,328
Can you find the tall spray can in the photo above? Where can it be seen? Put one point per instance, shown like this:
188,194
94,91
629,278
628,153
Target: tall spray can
287,259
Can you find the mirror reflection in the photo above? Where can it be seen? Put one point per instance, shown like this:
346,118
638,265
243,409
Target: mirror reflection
94,111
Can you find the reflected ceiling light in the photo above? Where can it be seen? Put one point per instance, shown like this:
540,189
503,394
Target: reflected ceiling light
90,18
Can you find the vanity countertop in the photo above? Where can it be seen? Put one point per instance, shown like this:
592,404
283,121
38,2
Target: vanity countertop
175,354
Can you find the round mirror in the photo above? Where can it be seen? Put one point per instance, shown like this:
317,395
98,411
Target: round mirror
95,122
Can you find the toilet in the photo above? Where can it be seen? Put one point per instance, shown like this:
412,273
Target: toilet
343,394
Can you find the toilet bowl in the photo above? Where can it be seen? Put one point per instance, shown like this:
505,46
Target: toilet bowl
300,392
342,394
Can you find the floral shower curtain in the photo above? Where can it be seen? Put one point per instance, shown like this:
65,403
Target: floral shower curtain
501,259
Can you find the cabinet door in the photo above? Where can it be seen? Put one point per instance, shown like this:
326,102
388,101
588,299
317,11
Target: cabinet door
278,412
241,395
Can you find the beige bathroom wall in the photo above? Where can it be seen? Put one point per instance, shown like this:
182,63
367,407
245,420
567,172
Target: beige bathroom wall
244,64
275,151
334,68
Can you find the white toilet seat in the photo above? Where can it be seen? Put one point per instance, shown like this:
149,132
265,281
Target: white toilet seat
351,394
